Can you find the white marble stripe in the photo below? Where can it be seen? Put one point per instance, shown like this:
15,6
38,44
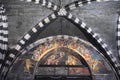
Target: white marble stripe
95,34
98,0
109,53
70,16
99,40
34,30
44,3
18,47
119,19
4,32
41,24
4,17
4,39
37,1
118,26
3,48
27,36
89,1
114,59
83,25
55,7
104,45
64,11
53,16
11,55
3,11
118,33
89,30
22,41
29,0
117,65
119,51
2,56
5,25
72,6
49,5
6,47
80,4
8,62
47,20
118,41
77,20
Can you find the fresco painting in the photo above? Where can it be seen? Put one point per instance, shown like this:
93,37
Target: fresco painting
60,57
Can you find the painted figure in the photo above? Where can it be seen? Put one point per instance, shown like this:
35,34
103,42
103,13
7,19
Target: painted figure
28,65
71,61
51,60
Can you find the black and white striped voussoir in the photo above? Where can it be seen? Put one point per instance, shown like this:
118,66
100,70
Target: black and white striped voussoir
49,5
80,3
2,11
96,37
3,34
7,63
45,3
39,27
118,34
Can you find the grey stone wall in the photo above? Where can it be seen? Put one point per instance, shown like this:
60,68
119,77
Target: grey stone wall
101,17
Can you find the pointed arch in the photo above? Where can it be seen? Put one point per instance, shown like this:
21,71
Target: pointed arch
42,25
80,3
74,20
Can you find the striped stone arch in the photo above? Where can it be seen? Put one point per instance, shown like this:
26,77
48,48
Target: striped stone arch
80,3
94,35
42,25
3,33
21,43
45,3
118,34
